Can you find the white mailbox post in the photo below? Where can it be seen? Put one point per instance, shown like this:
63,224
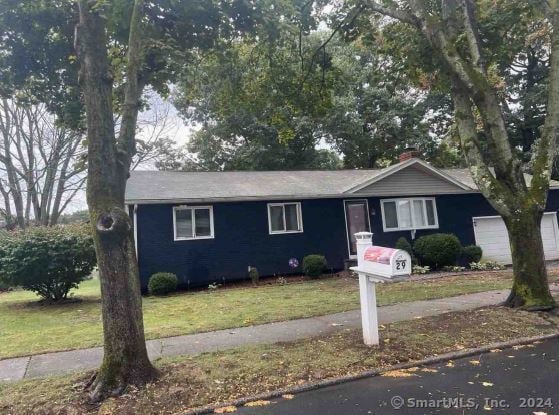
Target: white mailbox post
376,264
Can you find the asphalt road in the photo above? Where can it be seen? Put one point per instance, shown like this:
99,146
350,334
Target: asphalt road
522,381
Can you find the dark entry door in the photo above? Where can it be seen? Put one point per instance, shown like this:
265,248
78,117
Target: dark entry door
357,220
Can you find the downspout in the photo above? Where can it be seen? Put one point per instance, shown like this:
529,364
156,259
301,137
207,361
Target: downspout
136,230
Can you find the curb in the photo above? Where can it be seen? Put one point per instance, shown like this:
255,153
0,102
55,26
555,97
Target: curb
208,409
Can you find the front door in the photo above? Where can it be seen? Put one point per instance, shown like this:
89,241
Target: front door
357,220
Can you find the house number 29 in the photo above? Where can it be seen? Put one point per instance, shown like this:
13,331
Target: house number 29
400,264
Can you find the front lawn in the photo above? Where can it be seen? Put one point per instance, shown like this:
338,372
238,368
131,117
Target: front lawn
188,382
29,327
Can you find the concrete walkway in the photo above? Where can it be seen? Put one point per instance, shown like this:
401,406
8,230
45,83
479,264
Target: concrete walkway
83,359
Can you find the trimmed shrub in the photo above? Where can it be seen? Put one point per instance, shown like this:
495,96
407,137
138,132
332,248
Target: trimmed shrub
314,265
254,275
471,253
47,261
437,250
403,244
162,283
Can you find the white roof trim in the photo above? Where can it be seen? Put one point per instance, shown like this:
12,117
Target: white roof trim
400,166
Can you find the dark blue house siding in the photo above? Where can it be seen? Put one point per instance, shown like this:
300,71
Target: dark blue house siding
242,237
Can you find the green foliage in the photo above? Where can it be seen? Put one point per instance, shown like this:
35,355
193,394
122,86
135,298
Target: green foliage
314,265
472,253
38,58
162,283
518,68
48,261
486,266
437,250
268,105
254,275
403,244
418,269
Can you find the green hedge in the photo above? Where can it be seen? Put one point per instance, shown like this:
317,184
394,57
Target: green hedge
162,283
403,244
437,250
49,261
472,253
314,265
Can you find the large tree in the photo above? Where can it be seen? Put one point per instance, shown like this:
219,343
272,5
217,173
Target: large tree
468,39
125,359
121,47
276,103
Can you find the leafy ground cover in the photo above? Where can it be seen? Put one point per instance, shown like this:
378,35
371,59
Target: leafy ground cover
220,377
28,326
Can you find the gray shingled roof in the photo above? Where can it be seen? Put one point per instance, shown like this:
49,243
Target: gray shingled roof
171,185
188,187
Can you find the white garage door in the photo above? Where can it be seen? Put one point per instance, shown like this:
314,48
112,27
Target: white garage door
491,234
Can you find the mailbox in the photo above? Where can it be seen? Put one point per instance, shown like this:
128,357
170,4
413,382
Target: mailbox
385,263
376,264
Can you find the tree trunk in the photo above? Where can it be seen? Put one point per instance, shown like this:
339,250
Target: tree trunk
125,358
530,288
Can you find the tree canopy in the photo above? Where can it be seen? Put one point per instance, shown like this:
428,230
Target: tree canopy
303,100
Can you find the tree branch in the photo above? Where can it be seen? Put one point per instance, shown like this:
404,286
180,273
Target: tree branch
133,89
393,12
472,35
491,188
546,147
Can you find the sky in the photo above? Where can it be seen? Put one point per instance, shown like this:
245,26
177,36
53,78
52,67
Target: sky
175,128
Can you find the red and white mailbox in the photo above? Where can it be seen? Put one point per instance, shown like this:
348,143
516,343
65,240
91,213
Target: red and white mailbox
376,264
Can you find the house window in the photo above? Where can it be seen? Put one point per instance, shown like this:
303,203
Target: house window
193,222
409,214
285,217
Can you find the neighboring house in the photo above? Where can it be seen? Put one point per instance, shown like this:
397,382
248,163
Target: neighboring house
211,226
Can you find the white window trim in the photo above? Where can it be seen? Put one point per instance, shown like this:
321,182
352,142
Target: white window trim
410,199
193,208
299,217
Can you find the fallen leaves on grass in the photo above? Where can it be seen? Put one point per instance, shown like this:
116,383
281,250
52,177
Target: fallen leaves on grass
228,375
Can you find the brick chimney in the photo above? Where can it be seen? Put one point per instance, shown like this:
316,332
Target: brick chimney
409,152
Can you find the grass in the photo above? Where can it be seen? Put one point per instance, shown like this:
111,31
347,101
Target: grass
30,327
222,376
